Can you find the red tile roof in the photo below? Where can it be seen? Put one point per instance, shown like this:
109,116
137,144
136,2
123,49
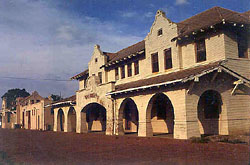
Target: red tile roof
80,75
246,14
208,18
133,49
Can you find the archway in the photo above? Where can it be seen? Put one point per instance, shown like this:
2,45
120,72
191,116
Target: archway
209,109
160,113
94,115
60,120
128,114
71,120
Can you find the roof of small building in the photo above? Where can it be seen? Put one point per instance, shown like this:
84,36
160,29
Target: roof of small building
71,98
68,100
210,17
25,99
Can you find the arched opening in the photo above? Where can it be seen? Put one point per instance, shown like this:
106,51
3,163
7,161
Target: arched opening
128,115
160,113
209,109
94,115
60,120
71,120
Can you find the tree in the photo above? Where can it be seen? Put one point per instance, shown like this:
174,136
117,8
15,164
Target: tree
56,97
11,96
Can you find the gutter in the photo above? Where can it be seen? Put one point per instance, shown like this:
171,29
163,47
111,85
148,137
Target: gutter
65,102
144,87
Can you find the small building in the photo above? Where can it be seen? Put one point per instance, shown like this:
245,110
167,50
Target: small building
8,116
33,114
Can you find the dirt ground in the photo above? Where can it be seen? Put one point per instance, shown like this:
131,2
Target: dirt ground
37,147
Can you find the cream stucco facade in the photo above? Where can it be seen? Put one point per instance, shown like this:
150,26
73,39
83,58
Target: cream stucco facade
160,86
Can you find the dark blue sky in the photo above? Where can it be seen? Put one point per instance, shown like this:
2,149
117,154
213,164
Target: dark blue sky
131,13
55,39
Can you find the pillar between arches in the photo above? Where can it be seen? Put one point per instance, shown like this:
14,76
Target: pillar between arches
145,127
83,122
186,118
55,120
78,120
65,127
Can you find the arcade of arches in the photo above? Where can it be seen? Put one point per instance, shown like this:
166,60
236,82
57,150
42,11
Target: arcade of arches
150,115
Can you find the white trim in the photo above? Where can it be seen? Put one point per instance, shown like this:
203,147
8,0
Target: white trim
144,87
65,102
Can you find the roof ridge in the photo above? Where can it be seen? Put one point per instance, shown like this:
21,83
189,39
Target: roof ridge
218,11
216,8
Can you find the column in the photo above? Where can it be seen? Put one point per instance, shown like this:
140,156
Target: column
186,118
83,122
55,120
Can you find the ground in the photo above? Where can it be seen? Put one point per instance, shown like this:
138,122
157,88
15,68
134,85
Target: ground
39,147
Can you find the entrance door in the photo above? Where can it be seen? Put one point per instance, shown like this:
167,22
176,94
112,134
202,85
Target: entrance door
127,124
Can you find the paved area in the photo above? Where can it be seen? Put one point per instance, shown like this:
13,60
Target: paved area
37,147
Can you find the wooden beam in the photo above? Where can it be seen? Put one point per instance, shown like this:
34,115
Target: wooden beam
196,79
191,86
237,83
214,76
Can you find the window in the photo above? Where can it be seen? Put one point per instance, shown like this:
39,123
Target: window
32,101
200,50
122,71
100,77
116,74
96,60
37,101
8,117
168,58
52,111
242,46
136,65
155,64
159,33
129,70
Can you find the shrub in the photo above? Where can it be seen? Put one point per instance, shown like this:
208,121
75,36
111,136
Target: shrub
199,139
233,141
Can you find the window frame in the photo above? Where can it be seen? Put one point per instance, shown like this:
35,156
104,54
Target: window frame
116,73
129,69
100,77
159,32
122,68
242,44
136,66
201,54
168,58
8,117
155,68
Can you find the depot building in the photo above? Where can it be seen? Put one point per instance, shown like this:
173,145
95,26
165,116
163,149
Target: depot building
184,79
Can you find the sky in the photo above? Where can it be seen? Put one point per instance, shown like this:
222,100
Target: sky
45,42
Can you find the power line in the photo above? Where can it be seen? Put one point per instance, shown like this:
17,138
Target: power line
36,79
